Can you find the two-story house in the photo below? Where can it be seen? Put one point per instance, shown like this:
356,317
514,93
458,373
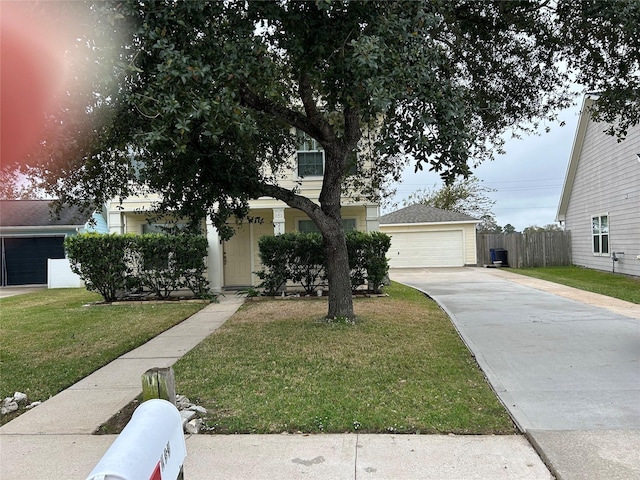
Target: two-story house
232,263
600,200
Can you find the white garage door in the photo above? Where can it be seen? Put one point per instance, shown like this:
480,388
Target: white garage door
426,249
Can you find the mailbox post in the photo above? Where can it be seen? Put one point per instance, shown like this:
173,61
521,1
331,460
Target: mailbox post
151,446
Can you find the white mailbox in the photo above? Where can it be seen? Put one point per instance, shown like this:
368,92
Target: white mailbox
151,446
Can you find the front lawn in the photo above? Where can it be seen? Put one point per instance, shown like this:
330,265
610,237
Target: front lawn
275,366
49,340
623,287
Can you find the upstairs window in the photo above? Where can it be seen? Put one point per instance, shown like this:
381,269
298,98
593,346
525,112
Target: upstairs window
310,157
352,164
600,234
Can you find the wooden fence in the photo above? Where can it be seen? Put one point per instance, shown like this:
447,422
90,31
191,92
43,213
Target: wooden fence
537,249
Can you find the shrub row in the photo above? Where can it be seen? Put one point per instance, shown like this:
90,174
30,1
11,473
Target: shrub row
300,258
114,265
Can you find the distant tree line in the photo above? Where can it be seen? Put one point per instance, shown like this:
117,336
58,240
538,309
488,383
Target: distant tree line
469,197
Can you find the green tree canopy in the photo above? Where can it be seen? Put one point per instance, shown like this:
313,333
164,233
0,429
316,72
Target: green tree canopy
508,228
488,224
206,96
551,227
464,195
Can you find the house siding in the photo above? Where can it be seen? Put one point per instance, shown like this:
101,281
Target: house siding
607,182
277,217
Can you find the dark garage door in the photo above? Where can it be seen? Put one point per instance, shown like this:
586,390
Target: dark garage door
25,259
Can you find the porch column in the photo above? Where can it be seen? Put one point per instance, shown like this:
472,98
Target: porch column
373,218
215,272
116,222
278,221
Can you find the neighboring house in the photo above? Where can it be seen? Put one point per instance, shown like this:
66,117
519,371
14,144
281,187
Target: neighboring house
600,200
424,236
233,263
30,236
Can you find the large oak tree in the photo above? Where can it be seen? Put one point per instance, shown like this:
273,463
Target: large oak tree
208,96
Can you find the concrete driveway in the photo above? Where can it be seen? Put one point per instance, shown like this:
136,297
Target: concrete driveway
565,363
19,290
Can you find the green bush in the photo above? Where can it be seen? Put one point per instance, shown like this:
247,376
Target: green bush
377,265
357,251
300,258
306,261
274,253
156,266
167,263
102,261
190,252
368,258
114,264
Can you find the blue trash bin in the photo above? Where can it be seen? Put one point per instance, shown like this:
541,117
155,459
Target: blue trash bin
499,255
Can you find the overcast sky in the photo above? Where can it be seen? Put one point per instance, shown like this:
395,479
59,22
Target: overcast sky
528,179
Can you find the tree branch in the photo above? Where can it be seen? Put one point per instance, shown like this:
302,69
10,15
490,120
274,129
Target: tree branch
308,124
292,199
311,108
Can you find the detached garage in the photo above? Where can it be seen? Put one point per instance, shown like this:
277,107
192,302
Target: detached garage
424,236
29,236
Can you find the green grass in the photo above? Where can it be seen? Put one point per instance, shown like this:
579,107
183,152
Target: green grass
619,286
275,366
49,340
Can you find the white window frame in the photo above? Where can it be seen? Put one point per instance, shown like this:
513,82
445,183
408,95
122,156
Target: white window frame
307,144
598,233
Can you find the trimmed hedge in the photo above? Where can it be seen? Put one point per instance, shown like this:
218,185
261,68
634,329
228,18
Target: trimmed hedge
101,261
300,258
291,256
114,264
368,258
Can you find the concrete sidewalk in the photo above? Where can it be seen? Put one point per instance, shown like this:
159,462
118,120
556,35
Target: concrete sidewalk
54,440
268,457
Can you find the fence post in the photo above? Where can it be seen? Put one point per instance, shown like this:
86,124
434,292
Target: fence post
159,383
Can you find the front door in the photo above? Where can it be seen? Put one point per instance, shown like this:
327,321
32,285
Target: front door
237,257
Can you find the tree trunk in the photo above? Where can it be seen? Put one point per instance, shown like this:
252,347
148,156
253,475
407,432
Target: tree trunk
332,229
328,219
338,274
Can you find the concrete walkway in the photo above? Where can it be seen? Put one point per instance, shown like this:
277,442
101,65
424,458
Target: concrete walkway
54,440
565,363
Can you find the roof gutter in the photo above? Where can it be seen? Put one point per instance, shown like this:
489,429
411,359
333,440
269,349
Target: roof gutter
40,228
426,224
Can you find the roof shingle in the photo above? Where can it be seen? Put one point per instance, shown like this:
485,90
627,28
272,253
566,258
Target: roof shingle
420,213
37,213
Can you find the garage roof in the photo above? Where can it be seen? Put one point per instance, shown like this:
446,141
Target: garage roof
420,213
37,213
